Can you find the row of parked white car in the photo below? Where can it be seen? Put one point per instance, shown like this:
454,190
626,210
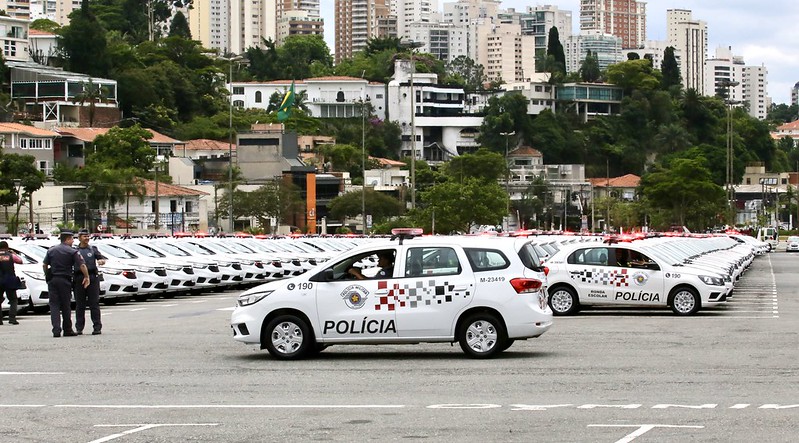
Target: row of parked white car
484,291
143,268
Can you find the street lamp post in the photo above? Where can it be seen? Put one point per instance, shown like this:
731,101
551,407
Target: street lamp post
413,45
507,135
363,164
727,85
230,61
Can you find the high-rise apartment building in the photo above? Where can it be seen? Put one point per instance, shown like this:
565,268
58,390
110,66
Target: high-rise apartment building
309,6
471,13
538,20
445,41
359,20
688,36
506,54
625,19
298,22
413,11
16,8
741,85
795,94
208,23
605,47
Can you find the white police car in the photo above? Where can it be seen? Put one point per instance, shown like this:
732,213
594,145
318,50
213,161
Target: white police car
481,292
623,274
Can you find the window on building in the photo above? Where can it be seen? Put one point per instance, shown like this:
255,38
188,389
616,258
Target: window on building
238,90
258,97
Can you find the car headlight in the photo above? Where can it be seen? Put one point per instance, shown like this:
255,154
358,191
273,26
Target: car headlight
173,267
111,271
255,297
712,281
34,275
144,269
199,266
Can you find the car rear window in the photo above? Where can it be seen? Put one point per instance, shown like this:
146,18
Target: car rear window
530,258
486,259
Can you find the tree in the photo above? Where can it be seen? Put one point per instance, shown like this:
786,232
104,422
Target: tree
555,50
670,69
507,113
458,205
298,52
466,72
277,199
46,25
634,75
19,179
84,43
589,70
122,148
379,205
179,26
484,165
534,203
91,93
683,188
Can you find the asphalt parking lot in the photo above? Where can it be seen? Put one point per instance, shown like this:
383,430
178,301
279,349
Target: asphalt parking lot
169,371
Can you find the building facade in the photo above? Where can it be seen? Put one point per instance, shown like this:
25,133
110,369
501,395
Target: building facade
688,36
605,47
625,19
538,20
506,54
445,41
359,20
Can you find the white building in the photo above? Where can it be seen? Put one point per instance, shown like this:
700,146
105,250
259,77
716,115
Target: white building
43,9
14,36
438,124
413,11
540,94
471,13
606,48
506,54
336,96
446,41
756,91
42,46
209,23
653,50
298,22
20,9
689,36
538,20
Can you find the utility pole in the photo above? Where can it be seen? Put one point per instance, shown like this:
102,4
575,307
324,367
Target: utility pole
507,176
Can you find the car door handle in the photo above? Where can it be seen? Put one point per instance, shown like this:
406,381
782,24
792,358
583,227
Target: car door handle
382,292
460,288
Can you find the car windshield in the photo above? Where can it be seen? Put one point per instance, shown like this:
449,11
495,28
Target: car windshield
169,248
140,249
115,251
793,239
195,249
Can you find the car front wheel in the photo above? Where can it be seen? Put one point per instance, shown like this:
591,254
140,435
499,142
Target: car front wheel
685,301
288,337
482,336
563,301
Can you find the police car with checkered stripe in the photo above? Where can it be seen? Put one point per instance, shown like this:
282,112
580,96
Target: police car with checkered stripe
484,293
628,274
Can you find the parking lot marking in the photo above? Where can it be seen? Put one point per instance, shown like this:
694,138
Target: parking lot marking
642,429
143,427
30,373
228,406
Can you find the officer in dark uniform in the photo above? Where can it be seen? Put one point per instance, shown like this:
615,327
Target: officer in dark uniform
59,264
9,283
92,258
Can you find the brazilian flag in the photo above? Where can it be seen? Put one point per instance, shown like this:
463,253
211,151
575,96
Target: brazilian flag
284,111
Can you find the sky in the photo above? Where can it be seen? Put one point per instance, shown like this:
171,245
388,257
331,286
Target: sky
762,32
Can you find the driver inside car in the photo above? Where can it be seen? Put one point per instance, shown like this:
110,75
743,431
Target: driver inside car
385,260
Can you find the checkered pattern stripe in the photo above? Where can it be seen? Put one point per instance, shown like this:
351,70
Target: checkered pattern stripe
416,294
602,276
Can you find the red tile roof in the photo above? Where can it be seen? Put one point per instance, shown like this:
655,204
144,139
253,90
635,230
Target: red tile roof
204,144
387,162
625,181
39,32
525,151
16,128
334,78
792,126
167,190
89,134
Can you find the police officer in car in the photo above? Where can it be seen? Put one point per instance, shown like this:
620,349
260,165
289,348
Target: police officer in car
59,264
92,258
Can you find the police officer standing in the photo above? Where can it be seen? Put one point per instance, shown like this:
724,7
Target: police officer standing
9,283
92,258
59,264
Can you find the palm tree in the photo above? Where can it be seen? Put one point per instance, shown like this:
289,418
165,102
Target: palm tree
92,94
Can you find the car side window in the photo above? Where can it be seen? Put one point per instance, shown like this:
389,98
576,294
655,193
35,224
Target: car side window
589,256
431,261
483,260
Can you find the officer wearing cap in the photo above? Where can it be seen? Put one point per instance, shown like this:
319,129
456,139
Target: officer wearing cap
59,263
91,258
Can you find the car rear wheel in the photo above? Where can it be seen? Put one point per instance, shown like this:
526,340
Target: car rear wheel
563,301
482,336
685,301
288,337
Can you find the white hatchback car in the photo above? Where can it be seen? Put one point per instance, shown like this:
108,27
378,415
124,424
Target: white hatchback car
481,292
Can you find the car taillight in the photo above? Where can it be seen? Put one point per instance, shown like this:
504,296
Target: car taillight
526,285
129,274
546,270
